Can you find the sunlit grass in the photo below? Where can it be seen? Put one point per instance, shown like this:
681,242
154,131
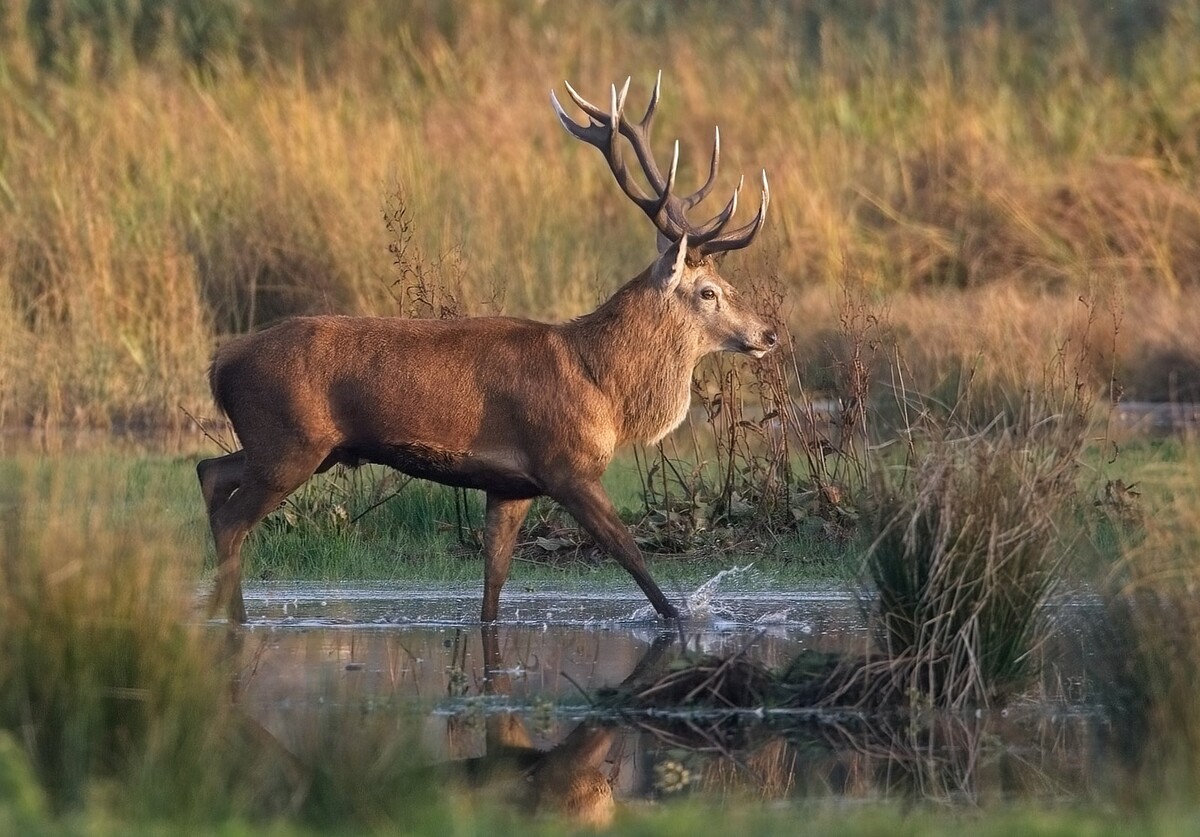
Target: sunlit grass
151,206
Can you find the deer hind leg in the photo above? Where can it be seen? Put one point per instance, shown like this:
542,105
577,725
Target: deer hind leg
504,517
588,503
219,478
256,497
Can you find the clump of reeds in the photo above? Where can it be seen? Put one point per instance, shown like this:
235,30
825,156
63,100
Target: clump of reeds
963,566
971,537
102,677
121,703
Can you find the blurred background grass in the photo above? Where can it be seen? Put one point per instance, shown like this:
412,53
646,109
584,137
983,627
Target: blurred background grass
174,171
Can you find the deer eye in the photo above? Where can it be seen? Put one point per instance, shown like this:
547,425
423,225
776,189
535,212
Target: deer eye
708,293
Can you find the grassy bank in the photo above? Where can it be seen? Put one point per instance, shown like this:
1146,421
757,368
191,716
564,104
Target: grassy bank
368,525
169,177
116,713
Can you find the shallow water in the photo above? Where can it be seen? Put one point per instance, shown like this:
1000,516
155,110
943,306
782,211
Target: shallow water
375,649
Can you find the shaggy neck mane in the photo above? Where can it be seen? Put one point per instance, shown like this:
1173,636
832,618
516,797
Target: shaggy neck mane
641,355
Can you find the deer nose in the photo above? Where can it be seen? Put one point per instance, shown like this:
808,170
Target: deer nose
770,337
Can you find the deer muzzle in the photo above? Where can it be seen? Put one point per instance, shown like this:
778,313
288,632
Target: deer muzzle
757,347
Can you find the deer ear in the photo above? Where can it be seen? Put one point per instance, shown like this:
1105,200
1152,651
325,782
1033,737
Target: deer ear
668,270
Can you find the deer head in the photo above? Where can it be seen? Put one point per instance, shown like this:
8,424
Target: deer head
685,276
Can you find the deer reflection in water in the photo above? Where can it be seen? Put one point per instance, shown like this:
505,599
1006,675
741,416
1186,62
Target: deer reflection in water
567,779
329,748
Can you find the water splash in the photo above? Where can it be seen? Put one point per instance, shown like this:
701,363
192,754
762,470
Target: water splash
716,604
700,603
643,612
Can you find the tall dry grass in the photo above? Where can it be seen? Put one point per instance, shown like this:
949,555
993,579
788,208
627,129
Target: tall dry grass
164,183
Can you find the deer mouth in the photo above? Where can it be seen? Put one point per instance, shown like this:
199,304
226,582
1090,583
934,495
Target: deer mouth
759,349
755,350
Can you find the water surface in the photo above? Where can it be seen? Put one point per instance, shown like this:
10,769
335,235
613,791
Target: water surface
525,689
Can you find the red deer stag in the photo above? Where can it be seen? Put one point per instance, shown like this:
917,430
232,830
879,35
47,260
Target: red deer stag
515,408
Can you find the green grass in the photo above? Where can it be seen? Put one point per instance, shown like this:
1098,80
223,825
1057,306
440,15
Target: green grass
413,536
410,537
416,535
465,817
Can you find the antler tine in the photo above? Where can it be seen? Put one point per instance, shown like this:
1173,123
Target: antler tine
742,236
700,194
672,172
584,105
620,100
712,228
648,117
577,130
667,210
617,110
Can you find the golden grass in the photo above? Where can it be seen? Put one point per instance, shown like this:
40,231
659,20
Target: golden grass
149,210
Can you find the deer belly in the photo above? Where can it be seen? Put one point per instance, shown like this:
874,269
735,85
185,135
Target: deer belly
497,472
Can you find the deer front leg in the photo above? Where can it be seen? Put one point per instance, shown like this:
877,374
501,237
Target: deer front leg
589,504
504,517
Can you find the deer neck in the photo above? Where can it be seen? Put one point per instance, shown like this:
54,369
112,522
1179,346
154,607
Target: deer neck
641,355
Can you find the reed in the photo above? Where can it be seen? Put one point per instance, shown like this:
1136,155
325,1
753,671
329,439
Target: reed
103,676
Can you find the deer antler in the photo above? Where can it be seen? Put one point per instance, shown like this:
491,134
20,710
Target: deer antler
668,211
